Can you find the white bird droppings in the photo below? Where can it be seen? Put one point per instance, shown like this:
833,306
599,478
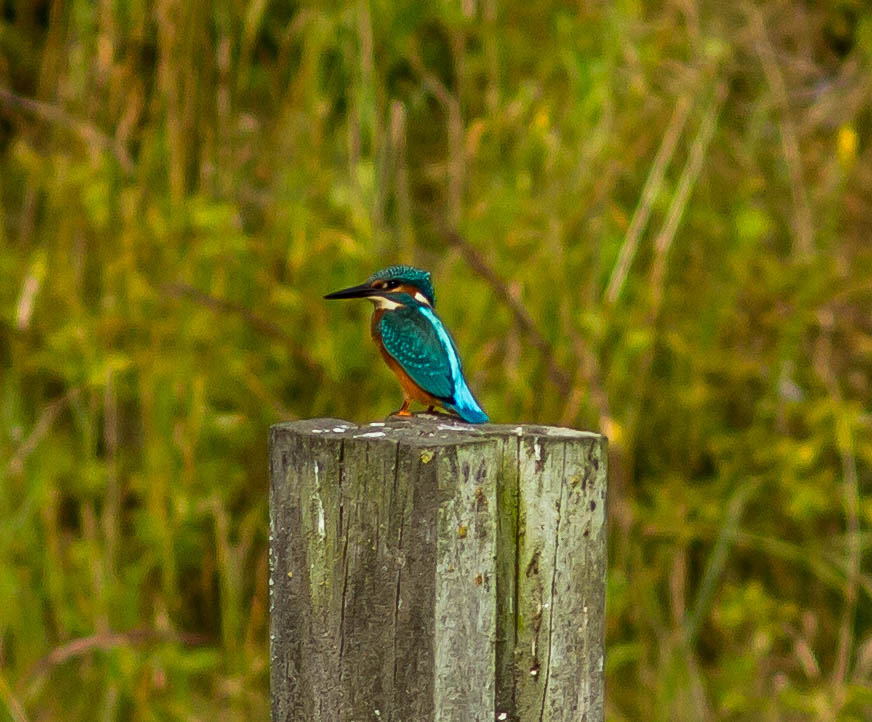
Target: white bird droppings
445,427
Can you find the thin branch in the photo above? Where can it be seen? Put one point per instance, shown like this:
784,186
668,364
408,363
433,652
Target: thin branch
523,319
260,324
110,640
41,428
88,132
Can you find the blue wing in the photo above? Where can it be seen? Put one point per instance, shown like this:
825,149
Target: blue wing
419,342
413,341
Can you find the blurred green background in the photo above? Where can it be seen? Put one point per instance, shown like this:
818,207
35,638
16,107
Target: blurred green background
652,219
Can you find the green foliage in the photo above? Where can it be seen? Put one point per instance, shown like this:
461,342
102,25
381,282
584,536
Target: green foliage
647,218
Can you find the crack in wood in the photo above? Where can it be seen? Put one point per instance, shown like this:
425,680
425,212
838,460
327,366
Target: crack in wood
552,605
517,552
344,532
399,567
531,572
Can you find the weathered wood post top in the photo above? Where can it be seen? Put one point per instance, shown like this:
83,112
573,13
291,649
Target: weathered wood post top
427,569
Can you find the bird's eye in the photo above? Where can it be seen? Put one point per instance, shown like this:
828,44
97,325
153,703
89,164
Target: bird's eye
393,284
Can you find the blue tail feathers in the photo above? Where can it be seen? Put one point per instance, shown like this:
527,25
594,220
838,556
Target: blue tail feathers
471,416
466,406
462,402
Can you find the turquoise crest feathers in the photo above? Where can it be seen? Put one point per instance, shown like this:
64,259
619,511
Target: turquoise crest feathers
407,274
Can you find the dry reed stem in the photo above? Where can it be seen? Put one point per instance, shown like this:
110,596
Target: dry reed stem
686,183
650,191
803,225
16,710
666,235
456,152
823,364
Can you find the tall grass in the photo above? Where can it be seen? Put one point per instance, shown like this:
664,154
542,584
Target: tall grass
651,219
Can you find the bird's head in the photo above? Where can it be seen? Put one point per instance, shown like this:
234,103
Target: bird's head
392,286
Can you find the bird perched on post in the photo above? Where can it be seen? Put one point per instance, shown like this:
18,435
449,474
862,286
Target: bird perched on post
414,342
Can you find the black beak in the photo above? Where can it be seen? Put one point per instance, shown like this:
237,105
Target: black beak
361,291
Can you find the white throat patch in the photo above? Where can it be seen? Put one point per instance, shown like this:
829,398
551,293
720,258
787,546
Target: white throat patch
385,303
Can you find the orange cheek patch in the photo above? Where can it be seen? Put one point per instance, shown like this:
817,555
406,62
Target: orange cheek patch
413,292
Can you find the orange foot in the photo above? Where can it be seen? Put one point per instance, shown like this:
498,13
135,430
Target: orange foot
404,411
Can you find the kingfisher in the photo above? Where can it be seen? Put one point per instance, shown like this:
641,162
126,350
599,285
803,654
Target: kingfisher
414,342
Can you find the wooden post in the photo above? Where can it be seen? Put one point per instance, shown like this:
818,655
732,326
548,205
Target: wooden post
422,569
